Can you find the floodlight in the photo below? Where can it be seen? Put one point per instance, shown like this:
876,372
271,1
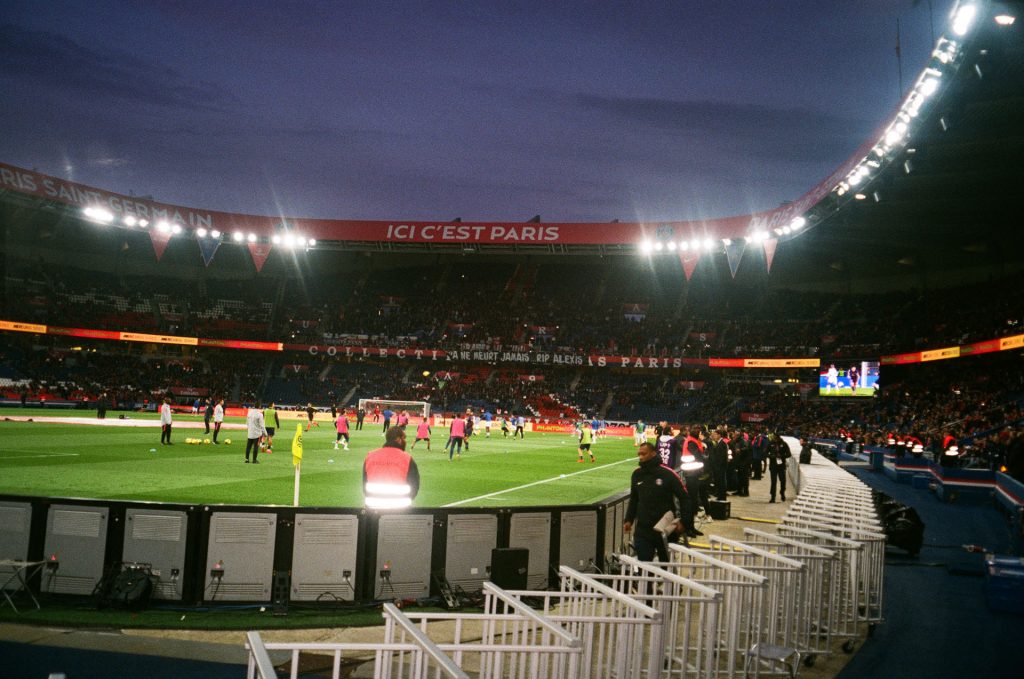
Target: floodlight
786,230
162,226
129,220
312,242
201,232
798,223
684,246
658,246
251,238
695,244
143,223
276,240
215,234
963,19
928,86
289,240
1005,19
709,244
302,240
727,242
671,245
175,228
859,196
98,214
238,236
760,236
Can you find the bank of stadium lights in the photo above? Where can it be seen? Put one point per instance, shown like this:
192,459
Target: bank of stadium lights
963,18
98,214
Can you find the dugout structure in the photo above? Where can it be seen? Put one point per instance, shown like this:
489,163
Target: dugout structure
417,408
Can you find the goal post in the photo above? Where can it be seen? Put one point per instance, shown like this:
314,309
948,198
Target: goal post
417,408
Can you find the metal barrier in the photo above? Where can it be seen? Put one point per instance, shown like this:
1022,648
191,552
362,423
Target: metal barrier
820,590
684,644
615,628
742,609
407,654
783,630
509,639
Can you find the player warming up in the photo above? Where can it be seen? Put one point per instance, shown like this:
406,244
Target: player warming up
422,434
586,440
342,426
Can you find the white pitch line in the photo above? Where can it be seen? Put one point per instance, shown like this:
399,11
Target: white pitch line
23,457
537,483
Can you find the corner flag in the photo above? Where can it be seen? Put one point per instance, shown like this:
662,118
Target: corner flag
297,446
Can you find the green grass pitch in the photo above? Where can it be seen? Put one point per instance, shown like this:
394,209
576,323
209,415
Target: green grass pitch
115,463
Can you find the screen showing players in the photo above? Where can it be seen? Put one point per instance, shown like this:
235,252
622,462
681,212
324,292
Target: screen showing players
848,378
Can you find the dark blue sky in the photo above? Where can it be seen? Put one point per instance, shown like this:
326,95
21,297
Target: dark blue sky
488,111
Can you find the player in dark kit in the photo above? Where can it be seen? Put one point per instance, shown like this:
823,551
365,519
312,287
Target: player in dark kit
854,376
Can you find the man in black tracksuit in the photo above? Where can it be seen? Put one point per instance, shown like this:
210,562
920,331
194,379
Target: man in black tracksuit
653,490
778,453
718,456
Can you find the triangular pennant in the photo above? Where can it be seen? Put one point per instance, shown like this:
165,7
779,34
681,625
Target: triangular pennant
769,251
160,240
734,253
689,261
207,248
259,253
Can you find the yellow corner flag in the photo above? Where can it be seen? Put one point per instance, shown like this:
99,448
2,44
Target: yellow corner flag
297,446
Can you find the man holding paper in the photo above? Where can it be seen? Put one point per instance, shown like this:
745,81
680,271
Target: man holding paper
657,499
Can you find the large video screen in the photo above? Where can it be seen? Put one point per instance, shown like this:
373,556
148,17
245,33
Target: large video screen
848,378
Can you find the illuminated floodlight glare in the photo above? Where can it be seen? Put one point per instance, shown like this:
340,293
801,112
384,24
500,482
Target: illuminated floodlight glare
238,236
658,246
98,214
928,86
130,220
786,230
798,223
963,19
215,234
143,223
176,228
1005,19
201,232
162,226
312,242
859,196
709,244
289,240
854,179
276,240
695,244
671,245
778,232
251,238
302,240
760,236
684,246
727,242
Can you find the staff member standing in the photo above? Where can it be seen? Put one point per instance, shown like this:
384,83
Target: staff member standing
718,456
391,478
654,490
165,422
218,419
255,430
778,453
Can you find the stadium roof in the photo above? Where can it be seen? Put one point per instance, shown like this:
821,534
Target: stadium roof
935,195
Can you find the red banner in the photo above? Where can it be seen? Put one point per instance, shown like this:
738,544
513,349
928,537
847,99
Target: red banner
259,253
755,417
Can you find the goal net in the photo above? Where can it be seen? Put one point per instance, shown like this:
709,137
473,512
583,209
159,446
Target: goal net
416,408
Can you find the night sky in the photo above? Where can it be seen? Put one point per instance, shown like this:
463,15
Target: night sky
486,111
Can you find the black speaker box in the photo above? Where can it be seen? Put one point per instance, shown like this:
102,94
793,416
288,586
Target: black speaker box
509,567
720,510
